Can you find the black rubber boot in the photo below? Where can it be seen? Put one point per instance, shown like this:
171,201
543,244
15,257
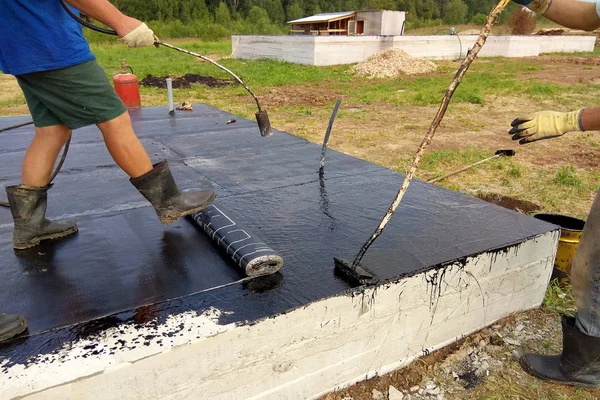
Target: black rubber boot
159,188
11,325
28,207
578,365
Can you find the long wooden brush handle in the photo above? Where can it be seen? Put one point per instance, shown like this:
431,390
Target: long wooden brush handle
491,20
463,169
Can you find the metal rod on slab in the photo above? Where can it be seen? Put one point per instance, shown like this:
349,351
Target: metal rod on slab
499,153
327,133
472,54
170,96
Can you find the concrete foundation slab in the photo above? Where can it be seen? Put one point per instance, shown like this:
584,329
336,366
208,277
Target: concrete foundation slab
128,308
334,50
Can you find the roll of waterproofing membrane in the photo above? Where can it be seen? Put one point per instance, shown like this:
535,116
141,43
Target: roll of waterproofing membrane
246,250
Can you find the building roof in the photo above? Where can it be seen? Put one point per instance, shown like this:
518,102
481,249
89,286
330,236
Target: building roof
325,17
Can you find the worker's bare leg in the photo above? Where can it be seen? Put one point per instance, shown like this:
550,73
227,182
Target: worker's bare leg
124,146
154,182
42,153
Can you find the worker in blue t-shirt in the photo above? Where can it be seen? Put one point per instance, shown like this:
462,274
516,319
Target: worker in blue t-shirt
65,89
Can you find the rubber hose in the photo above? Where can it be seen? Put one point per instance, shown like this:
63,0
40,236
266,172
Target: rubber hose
85,23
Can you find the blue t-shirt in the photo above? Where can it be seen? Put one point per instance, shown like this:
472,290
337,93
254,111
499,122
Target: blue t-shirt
39,35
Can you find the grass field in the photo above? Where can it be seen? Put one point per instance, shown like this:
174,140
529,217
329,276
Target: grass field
383,121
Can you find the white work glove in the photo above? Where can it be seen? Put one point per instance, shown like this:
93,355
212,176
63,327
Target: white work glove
142,36
545,125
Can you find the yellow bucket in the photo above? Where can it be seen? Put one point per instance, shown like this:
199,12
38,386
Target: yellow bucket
570,233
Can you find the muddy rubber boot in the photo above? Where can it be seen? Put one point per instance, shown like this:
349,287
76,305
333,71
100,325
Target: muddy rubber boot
28,207
159,188
11,325
578,365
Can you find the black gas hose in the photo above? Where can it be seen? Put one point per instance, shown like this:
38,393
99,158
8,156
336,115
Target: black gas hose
86,23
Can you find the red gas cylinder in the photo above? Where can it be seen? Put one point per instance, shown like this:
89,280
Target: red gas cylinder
126,86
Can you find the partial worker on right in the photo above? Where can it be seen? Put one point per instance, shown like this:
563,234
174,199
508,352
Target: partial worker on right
579,363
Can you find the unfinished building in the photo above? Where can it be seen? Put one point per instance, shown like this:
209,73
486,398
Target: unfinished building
348,23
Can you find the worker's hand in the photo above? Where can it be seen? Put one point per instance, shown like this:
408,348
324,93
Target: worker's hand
140,36
545,125
538,6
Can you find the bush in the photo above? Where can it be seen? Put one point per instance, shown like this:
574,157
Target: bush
257,23
420,23
222,15
209,31
522,21
456,12
260,21
97,37
479,19
172,29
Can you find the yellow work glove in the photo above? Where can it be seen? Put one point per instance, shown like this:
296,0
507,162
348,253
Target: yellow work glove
142,36
545,125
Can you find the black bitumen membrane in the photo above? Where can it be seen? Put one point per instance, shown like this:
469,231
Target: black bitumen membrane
123,261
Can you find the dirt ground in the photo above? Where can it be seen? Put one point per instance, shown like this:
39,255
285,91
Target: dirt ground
482,366
487,127
12,101
299,95
571,70
185,81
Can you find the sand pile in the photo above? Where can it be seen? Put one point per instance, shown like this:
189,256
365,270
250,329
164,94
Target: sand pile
470,32
392,63
551,32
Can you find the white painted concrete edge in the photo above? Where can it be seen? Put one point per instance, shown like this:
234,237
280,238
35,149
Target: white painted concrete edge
324,346
337,50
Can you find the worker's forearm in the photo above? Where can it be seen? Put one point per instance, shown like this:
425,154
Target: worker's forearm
574,14
105,12
590,119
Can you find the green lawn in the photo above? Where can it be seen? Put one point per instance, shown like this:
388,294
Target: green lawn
487,77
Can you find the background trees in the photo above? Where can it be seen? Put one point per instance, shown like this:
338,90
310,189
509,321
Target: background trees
215,19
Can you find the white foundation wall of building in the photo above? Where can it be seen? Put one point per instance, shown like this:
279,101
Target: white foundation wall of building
323,346
336,50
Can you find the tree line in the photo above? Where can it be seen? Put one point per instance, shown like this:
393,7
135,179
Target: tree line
215,19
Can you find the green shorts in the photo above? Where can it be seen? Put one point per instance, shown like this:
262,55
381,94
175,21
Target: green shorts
76,96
